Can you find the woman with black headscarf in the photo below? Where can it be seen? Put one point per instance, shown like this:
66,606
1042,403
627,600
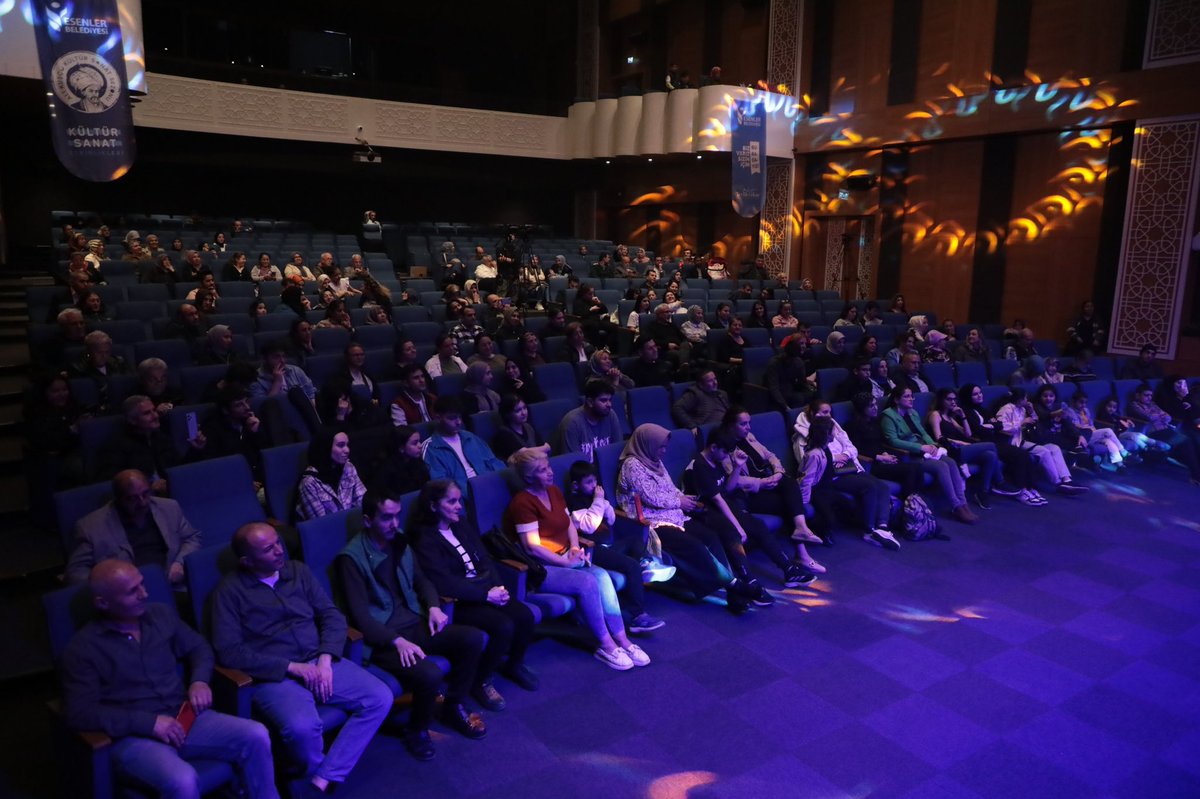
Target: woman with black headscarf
330,483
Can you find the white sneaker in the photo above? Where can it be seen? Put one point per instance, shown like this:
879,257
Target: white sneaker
637,655
654,571
886,539
616,659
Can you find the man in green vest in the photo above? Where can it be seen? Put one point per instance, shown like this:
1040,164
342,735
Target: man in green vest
397,610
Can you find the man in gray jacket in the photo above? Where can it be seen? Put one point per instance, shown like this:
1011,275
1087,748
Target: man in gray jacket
703,403
136,527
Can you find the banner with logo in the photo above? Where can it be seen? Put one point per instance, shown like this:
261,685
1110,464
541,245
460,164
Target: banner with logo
83,68
748,120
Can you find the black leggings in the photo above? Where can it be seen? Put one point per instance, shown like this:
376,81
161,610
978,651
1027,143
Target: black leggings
756,534
908,475
509,628
459,644
1018,466
698,556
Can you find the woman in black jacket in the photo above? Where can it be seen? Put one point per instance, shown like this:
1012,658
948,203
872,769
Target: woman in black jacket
452,555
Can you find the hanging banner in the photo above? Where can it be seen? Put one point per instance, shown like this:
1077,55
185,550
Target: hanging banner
83,68
748,121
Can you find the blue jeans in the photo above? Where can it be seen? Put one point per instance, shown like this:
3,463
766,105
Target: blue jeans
292,709
594,593
214,736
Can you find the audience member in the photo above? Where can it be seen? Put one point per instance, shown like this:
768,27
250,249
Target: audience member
398,611
329,483
592,425
453,453
272,620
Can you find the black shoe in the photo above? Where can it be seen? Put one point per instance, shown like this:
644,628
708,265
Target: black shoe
735,602
521,676
458,718
488,697
419,744
758,595
1002,490
980,499
795,576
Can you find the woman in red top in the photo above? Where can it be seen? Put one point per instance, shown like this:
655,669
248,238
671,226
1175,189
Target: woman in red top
539,518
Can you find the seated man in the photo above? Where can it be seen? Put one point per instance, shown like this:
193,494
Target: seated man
70,334
649,369
397,609
452,453
1144,367
232,430
140,445
415,403
277,379
187,326
592,425
98,364
786,377
703,403
273,621
909,375
121,677
155,384
135,527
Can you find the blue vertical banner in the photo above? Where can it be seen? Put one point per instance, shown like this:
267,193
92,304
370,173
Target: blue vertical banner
83,68
748,120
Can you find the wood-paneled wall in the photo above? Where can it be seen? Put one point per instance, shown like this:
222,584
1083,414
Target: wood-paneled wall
1076,38
956,47
940,227
861,49
1050,265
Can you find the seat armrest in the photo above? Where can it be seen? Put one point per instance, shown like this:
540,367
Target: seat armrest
515,575
354,646
239,679
93,740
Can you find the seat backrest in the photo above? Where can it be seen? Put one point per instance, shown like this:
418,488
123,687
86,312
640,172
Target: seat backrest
217,496
321,540
771,430
828,381
650,405
1124,390
73,504
557,381
376,336
608,462
681,450
203,570
1001,369
939,375
545,416
281,473
490,495
970,372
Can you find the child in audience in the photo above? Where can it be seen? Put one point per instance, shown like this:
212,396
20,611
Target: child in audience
1099,439
1110,417
594,517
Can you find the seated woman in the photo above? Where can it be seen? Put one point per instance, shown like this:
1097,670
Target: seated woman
758,316
399,467
1018,462
578,349
935,348
537,517
354,372
1053,425
906,342
330,483
516,381
672,301
1017,419
1050,375
445,360
300,340
695,329
516,434
898,305
834,356
530,354
729,355
218,347
848,317
759,483
973,350
1100,440
340,408
823,478
453,557
868,348
336,315
487,354
646,491
643,305
297,269
601,366
785,318
264,271
905,434
477,393
951,429
1157,424
881,376
256,311
92,306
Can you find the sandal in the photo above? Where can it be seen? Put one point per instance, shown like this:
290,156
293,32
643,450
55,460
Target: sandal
806,537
